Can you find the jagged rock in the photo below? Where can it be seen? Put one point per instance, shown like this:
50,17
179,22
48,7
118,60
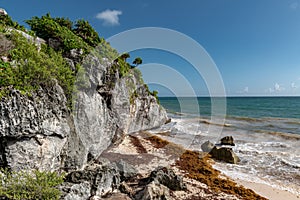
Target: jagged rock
39,132
126,170
224,154
126,189
154,191
207,146
79,191
168,178
103,179
228,140
3,12
38,41
117,196
33,130
95,198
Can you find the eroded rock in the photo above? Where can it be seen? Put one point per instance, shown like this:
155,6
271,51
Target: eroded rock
207,146
168,178
228,140
225,154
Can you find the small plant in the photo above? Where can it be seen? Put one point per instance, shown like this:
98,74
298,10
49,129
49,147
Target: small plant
155,93
30,185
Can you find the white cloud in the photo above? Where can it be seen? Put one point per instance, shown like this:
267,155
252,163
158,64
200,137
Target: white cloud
293,85
294,5
278,88
246,89
109,17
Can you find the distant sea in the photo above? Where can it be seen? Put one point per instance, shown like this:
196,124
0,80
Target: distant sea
266,132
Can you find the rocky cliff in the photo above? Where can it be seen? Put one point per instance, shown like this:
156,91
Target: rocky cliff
38,131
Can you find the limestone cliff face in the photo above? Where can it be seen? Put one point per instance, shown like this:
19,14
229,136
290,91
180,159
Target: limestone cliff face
38,131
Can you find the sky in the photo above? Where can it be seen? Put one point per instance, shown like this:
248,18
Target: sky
254,44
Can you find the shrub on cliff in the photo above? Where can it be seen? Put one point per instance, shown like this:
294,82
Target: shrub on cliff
46,27
32,68
82,36
30,185
84,30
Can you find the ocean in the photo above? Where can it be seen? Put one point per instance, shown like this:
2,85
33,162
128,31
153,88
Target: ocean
266,132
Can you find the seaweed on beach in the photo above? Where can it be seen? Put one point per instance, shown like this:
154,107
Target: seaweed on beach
197,167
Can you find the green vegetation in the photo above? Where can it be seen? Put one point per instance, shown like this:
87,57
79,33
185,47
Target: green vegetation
32,68
87,33
133,96
47,27
82,36
155,93
6,20
137,61
30,185
121,66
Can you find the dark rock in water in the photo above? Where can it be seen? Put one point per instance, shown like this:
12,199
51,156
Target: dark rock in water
126,170
168,121
154,191
207,146
168,178
224,154
228,140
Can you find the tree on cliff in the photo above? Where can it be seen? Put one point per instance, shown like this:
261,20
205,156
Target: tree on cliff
137,61
124,56
84,30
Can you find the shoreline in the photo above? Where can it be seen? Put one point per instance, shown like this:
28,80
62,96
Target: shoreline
268,191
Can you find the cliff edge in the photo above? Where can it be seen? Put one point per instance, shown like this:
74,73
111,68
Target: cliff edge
40,130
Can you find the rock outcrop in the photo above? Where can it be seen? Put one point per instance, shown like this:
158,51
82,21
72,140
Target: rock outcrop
225,154
207,146
39,131
228,140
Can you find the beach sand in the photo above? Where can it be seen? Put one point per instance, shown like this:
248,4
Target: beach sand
268,191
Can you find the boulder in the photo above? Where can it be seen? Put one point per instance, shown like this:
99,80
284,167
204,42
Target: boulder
154,191
207,146
228,140
168,178
78,191
103,180
126,170
225,154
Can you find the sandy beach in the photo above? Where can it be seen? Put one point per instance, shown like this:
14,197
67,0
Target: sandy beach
146,152
268,191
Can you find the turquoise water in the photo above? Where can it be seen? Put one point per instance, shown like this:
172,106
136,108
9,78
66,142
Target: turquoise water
251,107
266,131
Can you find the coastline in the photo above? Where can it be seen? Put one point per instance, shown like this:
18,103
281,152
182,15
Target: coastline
267,191
147,152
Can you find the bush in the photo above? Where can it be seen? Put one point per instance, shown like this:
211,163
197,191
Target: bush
84,30
46,28
30,185
33,68
6,20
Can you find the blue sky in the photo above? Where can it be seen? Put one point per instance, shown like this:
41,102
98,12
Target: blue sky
255,44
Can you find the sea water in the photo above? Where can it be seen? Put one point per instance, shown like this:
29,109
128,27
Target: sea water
266,132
